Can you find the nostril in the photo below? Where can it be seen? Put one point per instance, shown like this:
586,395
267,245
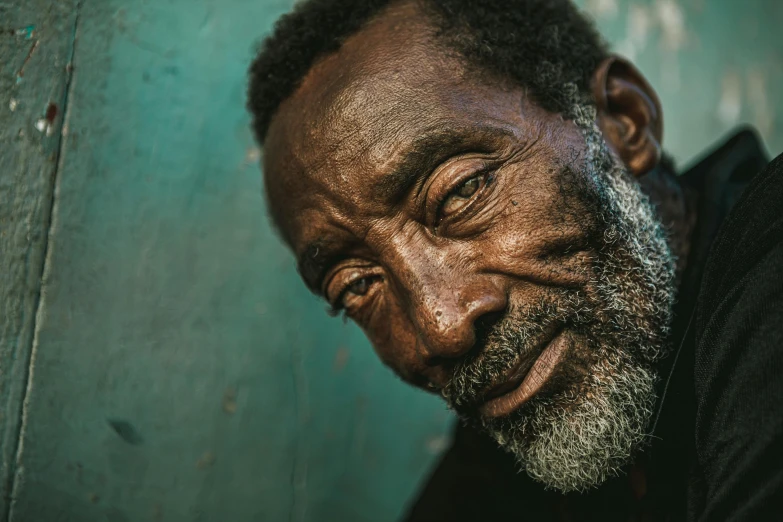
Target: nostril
483,326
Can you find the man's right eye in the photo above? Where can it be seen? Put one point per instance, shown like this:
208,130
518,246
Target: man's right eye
352,293
460,196
358,286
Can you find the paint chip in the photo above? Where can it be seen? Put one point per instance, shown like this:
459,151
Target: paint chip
27,32
40,125
51,112
13,104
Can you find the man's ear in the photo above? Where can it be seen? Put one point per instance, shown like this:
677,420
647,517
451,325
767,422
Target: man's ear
629,114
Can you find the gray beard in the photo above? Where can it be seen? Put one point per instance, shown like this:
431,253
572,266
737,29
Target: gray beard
590,421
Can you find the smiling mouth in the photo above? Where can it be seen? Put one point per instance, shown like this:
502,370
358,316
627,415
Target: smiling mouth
526,378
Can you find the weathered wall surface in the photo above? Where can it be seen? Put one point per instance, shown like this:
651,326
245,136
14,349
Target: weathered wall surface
179,371
159,359
36,44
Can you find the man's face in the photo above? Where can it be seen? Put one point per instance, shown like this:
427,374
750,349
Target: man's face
490,250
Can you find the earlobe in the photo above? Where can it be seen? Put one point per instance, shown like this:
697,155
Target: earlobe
629,114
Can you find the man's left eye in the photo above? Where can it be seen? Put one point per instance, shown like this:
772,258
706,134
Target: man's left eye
460,196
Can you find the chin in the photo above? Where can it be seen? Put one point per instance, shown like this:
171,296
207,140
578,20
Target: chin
576,438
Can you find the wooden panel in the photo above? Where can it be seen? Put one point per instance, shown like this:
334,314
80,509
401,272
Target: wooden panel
182,370
36,42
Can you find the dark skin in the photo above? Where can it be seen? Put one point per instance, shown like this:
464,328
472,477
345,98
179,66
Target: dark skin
422,198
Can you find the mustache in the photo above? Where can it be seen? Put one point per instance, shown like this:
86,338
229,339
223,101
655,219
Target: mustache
513,341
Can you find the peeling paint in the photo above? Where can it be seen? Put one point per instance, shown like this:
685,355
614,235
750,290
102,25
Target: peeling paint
51,113
20,74
45,127
46,124
27,32
13,104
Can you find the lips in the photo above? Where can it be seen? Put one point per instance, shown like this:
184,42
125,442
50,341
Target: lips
526,378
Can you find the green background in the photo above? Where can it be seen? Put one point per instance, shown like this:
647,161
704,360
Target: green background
159,358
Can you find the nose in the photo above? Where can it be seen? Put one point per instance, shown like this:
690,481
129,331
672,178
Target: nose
448,313
447,299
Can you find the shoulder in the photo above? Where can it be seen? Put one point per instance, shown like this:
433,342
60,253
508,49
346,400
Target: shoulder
741,294
751,231
739,356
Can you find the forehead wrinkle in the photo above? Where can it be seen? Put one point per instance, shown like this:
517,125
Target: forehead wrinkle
376,120
368,150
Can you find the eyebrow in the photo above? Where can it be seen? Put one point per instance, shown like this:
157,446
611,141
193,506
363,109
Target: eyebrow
422,157
430,150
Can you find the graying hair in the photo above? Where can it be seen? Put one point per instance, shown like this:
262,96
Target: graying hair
577,438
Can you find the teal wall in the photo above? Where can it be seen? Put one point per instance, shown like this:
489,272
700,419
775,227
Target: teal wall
715,64
159,358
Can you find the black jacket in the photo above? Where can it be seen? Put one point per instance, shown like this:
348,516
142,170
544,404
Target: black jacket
717,437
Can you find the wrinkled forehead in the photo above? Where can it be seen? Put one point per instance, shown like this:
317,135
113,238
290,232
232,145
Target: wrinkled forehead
358,110
389,70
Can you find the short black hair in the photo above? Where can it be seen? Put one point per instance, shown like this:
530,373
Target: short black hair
543,45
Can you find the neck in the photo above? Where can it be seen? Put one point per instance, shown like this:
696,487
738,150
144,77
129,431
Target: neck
676,207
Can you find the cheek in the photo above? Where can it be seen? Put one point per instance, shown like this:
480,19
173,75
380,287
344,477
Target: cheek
394,339
535,218
541,236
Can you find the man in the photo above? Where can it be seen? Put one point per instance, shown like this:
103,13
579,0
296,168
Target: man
480,186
